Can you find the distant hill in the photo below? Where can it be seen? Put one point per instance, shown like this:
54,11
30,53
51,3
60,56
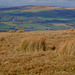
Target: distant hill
33,18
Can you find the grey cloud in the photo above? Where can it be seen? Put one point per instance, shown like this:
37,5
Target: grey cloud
63,3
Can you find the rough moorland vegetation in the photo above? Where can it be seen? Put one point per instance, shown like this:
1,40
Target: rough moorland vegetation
37,53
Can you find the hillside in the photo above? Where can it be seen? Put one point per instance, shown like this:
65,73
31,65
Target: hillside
37,53
33,18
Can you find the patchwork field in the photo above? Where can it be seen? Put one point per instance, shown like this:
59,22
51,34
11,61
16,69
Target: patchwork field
35,18
37,52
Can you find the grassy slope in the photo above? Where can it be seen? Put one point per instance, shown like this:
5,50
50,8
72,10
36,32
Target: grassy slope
58,61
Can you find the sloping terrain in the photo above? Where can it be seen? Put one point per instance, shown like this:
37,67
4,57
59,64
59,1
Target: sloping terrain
33,18
19,54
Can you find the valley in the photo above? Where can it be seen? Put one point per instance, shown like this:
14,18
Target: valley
35,18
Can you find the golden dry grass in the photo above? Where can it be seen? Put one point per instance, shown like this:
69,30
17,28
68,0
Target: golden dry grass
34,43
58,59
11,31
70,29
68,47
20,31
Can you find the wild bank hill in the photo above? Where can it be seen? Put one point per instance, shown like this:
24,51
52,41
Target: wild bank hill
33,18
37,53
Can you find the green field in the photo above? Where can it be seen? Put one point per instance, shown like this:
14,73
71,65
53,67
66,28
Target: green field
34,19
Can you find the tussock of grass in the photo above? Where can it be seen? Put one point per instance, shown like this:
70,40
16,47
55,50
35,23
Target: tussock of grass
68,47
35,43
11,31
20,31
70,29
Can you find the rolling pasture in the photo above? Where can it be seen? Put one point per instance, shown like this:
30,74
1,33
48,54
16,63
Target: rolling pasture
34,18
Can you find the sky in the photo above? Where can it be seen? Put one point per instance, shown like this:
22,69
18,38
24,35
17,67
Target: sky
60,3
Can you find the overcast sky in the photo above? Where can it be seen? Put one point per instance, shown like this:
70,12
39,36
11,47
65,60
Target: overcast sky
61,3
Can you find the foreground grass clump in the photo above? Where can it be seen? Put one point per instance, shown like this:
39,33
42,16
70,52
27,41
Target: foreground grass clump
70,29
20,31
35,43
68,47
11,31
